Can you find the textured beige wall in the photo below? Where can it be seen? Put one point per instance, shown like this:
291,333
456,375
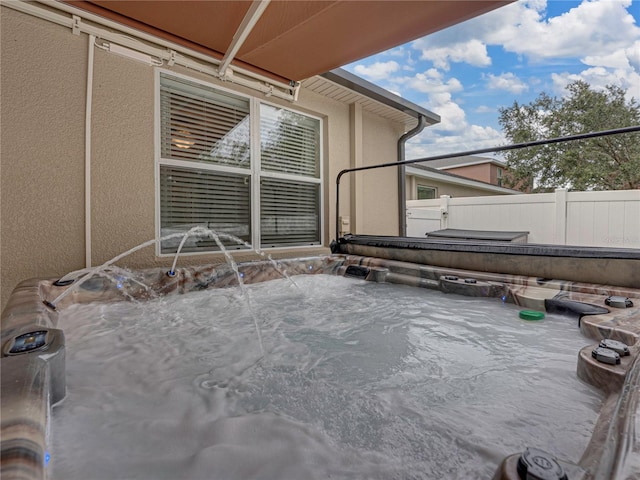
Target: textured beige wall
336,152
122,158
43,109
380,186
42,149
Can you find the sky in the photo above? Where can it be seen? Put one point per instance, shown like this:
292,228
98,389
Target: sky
466,72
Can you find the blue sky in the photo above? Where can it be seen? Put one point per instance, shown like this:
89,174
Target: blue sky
514,53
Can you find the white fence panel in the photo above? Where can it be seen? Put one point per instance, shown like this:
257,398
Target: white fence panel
421,221
532,213
610,219
607,219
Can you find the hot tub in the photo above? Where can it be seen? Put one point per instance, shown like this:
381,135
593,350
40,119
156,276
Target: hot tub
32,381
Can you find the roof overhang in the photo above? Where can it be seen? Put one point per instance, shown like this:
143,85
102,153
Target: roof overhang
385,97
465,161
288,40
344,87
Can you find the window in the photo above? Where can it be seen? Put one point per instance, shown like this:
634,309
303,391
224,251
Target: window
237,166
426,193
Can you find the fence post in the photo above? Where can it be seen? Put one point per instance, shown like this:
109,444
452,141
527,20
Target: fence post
561,216
444,211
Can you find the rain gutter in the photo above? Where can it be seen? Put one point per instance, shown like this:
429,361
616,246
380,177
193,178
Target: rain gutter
402,184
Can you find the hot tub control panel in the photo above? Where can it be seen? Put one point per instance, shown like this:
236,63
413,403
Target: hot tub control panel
48,345
28,342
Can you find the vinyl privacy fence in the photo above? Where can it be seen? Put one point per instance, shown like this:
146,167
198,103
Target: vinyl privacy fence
601,219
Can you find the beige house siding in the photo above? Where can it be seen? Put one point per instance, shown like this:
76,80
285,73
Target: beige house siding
380,186
44,75
443,188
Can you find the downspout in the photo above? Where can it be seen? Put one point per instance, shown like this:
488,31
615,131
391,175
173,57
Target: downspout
402,186
87,155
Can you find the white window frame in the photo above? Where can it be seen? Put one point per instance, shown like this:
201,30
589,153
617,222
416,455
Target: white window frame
435,190
254,172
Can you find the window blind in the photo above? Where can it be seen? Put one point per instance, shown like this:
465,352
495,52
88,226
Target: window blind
215,200
289,142
289,213
199,123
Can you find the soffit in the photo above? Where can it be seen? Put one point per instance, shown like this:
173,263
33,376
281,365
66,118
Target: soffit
292,40
329,89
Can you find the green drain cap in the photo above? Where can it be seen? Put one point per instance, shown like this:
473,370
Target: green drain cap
531,315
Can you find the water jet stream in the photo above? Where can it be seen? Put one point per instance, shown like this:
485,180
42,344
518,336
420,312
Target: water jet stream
107,268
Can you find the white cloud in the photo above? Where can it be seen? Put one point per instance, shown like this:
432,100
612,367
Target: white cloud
438,91
599,33
453,117
616,59
596,28
431,142
473,52
633,56
430,82
378,70
598,78
453,133
602,34
450,44
506,81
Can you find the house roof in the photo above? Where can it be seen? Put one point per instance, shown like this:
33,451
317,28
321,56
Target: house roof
289,40
464,161
360,85
346,87
446,177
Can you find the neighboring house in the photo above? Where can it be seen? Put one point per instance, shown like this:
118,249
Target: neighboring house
424,183
115,134
484,169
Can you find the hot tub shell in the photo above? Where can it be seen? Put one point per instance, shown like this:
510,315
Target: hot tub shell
30,384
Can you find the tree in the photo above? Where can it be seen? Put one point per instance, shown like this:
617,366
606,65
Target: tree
604,163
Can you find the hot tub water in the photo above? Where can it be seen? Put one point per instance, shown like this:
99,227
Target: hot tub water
357,380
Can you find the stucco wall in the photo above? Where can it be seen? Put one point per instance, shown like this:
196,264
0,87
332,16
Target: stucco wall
42,149
380,186
484,172
122,158
44,71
